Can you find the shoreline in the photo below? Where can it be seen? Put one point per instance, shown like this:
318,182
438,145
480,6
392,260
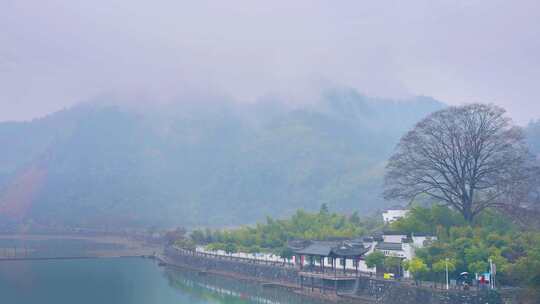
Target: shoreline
42,237
127,247
63,258
363,290
293,288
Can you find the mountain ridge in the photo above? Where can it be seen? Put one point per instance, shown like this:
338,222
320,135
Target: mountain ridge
195,165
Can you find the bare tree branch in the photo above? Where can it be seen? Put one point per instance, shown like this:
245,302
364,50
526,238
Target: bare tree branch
469,157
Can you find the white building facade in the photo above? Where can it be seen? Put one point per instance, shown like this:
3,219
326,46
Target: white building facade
392,215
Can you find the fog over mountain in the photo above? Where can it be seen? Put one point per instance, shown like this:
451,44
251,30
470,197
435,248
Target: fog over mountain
117,112
533,136
57,53
198,163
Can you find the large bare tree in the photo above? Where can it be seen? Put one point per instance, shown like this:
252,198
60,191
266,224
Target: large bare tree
469,157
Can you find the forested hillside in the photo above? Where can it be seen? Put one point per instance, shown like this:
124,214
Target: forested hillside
220,163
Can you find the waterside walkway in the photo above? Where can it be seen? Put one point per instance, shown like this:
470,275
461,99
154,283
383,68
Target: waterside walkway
328,284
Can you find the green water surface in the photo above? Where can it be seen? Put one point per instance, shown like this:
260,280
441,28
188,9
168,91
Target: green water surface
124,281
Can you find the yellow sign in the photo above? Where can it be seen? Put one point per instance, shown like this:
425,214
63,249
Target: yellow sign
388,276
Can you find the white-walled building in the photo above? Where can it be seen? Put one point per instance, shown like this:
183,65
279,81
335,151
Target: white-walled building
392,215
402,246
419,241
391,244
393,237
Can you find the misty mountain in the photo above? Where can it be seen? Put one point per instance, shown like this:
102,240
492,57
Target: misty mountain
533,136
192,163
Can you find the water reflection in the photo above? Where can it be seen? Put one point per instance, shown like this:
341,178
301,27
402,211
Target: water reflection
126,281
227,290
39,248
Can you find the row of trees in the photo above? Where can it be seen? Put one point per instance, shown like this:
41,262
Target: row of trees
461,245
467,247
417,267
273,235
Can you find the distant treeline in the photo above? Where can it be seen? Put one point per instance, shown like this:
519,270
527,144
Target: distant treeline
468,247
273,235
514,250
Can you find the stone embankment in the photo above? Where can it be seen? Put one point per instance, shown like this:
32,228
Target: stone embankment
362,289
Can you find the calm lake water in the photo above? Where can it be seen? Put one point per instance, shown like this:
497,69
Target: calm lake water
52,247
124,281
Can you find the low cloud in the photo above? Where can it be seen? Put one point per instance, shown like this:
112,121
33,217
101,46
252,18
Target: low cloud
56,53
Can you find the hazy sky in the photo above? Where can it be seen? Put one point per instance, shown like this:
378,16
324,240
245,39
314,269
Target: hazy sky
54,53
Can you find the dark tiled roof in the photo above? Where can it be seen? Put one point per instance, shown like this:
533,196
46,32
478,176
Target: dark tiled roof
349,250
317,248
389,246
298,244
328,248
393,232
377,236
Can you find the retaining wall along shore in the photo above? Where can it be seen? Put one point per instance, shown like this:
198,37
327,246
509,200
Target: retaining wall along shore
363,290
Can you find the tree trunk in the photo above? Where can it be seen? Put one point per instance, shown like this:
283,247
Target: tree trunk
468,216
467,211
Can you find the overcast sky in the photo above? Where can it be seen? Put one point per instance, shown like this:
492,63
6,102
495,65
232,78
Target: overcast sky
55,53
